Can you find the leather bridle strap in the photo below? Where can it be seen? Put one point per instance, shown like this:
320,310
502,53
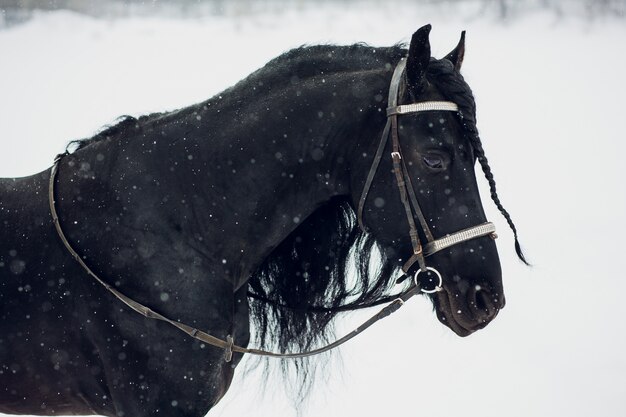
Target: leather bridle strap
228,344
393,98
396,156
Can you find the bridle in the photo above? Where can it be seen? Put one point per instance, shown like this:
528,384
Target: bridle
407,192
404,184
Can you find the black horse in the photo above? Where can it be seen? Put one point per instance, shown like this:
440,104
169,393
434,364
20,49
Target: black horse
235,210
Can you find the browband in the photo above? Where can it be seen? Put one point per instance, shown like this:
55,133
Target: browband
423,106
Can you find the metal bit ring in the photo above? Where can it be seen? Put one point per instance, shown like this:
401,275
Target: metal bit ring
437,288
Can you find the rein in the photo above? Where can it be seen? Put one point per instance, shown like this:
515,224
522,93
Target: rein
228,344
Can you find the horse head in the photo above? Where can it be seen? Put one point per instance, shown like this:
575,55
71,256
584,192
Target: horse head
426,190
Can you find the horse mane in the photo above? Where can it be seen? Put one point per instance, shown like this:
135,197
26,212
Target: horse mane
326,262
123,125
310,61
297,64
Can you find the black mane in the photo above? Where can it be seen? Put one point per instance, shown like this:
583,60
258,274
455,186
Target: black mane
311,61
300,63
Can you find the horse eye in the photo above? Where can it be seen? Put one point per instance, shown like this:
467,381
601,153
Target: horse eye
433,161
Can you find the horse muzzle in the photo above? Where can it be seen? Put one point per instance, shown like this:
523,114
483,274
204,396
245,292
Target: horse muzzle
465,307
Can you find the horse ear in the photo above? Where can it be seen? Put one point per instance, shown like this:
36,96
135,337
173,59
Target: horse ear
458,53
418,59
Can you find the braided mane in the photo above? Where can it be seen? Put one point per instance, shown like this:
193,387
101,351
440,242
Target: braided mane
454,88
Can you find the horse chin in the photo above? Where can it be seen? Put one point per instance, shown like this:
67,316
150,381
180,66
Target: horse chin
452,312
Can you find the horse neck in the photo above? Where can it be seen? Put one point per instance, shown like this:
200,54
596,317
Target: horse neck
254,166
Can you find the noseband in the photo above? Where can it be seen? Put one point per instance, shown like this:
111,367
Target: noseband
407,192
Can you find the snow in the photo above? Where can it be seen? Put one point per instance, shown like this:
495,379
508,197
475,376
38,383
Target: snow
549,94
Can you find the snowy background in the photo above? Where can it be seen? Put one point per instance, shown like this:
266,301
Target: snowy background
550,91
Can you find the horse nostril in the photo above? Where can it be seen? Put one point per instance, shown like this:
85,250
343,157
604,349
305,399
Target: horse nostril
481,304
480,300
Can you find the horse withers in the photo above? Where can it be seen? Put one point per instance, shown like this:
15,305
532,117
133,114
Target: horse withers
246,209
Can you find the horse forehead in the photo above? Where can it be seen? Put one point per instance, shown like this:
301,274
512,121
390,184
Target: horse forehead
436,127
